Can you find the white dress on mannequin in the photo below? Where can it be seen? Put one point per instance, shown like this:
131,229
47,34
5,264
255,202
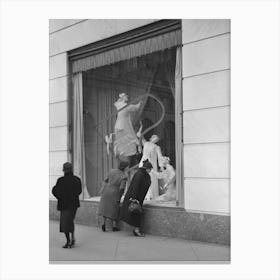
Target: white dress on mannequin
152,152
169,177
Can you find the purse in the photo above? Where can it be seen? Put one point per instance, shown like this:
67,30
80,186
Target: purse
134,207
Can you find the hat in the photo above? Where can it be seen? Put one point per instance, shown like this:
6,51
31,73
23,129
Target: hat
147,164
67,167
122,95
123,165
154,138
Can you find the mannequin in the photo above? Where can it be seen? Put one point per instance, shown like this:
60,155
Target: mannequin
125,138
168,175
152,152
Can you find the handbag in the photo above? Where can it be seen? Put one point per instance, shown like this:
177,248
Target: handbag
134,207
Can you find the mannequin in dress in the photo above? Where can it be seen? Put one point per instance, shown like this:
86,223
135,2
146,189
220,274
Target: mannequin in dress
125,138
152,152
168,175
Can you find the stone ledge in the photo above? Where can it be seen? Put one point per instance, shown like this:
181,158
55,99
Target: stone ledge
163,221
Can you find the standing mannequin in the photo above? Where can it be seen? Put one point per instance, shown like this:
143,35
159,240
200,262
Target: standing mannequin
152,152
126,140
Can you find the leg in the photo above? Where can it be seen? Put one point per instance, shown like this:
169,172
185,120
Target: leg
67,244
115,227
136,230
72,238
73,228
104,224
114,223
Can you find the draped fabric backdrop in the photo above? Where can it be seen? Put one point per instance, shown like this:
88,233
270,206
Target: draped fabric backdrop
169,68
102,87
78,132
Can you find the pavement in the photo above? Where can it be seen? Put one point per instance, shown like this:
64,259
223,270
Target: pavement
95,246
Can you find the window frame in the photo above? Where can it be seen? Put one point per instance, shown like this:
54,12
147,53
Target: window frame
132,36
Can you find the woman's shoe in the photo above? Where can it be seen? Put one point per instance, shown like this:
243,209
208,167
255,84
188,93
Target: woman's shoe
73,241
103,228
67,245
116,229
138,233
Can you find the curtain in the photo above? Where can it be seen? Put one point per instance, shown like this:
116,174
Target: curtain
102,87
169,68
144,47
149,81
178,122
78,132
99,99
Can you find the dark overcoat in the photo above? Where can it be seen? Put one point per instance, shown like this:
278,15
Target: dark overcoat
138,189
67,191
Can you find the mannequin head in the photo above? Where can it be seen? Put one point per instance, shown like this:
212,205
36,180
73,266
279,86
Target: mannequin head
123,97
166,161
154,139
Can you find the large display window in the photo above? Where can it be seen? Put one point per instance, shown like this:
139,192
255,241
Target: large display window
129,110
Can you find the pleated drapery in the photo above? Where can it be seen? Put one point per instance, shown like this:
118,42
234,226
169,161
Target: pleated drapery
147,46
78,132
149,82
169,68
101,89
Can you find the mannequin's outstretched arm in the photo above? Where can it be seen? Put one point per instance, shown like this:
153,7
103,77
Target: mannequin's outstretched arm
134,107
139,132
142,140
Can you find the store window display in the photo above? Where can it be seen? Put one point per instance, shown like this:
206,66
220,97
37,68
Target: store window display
129,105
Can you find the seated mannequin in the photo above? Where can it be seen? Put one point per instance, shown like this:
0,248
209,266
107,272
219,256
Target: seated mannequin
168,175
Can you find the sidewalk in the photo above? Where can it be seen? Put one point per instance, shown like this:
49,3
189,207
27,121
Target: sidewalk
94,246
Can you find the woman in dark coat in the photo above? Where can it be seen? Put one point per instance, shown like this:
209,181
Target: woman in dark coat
138,189
67,190
111,195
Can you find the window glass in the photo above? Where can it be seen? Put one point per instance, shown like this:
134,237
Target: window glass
121,99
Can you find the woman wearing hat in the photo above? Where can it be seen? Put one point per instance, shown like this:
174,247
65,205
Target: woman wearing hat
67,191
137,190
111,195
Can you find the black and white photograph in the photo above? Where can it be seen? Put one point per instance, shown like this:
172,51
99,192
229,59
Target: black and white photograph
139,140
139,144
